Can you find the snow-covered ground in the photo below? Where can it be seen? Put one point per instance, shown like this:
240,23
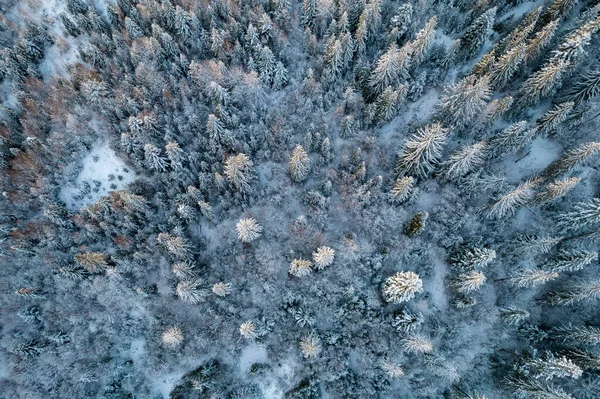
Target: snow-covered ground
101,172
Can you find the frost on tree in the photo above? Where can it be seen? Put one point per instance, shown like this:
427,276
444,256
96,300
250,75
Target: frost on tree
463,101
402,287
423,150
248,230
299,164
323,257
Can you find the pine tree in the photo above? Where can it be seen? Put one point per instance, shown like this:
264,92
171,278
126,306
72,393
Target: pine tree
584,214
175,155
172,337
463,101
531,278
221,289
570,261
407,322
579,292
557,10
542,82
555,190
401,21
585,360
299,164
540,40
507,204
552,118
534,245
469,282
323,257
474,257
514,316
402,189
417,344
571,159
577,335
92,261
248,230
248,330
549,367
153,158
402,287
239,171
506,66
390,69
423,40
300,267
423,150
192,291
393,370
416,224
572,50
310,345
465,160
475,35
587,88
537,389
440,367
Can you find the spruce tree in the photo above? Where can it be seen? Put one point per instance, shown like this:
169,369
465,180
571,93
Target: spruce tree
423,150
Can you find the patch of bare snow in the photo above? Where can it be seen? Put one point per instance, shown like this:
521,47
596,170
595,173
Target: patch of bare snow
101,172
541,152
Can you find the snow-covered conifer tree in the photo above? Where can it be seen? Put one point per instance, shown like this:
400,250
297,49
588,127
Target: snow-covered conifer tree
402,287
423,150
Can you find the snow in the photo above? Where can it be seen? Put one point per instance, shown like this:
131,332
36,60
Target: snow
101,172
442,38
541,152
252,355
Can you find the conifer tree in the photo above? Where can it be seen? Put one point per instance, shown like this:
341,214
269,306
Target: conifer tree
507,204
416,224
153,159
570,261
422,151
475,35
572,49
401,21
549,367
514,316
402,287
540,40
175,155
192,291
474,258
300,267
299,164
542,82
555,190
248,230
423,40
571,159
390,69
402,189
534,245
239,170
531,278
587,88
552,118
469,282
583,291
465,160
463,101
310,345
92,261
417,344
323,257
577,335
506,66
